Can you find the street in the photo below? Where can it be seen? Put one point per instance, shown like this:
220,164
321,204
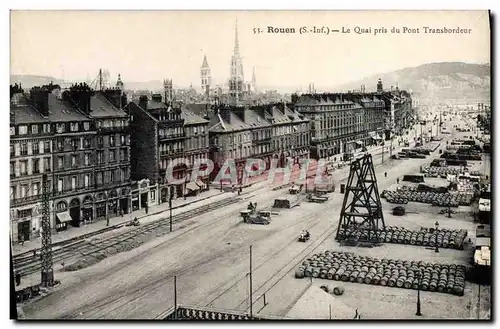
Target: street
210,258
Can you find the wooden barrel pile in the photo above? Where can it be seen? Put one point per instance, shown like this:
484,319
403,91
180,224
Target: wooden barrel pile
349,267
434,198
446,238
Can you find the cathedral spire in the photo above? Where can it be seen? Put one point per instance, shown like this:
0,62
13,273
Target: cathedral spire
205,62
236,41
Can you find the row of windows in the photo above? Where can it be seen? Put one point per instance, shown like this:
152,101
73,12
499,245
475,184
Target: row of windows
112,176
171,148
167,132
195,143
112,123
26,148
30,167
47,128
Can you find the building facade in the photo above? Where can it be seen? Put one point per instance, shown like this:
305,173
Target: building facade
264,132
162,132
337,124
79,137
342,123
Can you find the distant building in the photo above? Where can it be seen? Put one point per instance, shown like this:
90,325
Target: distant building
206,78
237,86
342,123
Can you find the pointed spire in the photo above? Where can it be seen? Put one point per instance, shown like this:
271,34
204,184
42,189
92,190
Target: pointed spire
205,62
236,41
254,79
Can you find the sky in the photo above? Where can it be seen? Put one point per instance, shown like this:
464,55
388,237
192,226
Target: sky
153,45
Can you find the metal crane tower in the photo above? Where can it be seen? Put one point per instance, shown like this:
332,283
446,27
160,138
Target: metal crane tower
361,215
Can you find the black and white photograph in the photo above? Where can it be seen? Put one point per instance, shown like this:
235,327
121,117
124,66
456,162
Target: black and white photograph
250,165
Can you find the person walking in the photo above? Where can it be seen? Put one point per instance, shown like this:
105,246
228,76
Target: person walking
21,240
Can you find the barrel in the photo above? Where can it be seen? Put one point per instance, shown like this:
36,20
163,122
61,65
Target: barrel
353,276
391,282
383,281
315,273
441,286
330,274
322,274
361,277
369,278
299,274
338,291
407,284
400,281
308,272
345,277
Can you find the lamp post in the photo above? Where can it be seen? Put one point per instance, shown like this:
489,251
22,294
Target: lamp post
419,279
436,242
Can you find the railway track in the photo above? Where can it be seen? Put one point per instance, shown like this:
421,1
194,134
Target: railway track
28,265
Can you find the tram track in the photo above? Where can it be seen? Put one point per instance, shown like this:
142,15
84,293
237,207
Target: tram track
84,248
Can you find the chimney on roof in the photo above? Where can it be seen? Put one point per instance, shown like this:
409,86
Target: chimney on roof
225,113
40,99
143,102
116,97
81,94
157,98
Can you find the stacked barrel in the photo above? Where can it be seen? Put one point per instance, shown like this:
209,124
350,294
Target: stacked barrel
434,198
446,238
349,267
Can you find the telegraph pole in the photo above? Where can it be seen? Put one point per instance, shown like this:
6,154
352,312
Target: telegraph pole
251,288
47,274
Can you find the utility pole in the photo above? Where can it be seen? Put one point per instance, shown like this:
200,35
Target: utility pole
175,297
251,288
47,274
170,208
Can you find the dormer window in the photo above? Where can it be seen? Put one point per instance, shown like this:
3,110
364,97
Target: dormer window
60,128
34,129
12,131
23,130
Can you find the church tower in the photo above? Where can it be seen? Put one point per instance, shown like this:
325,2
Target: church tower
236,78
206,76
254,81
380,87
168,91
119,83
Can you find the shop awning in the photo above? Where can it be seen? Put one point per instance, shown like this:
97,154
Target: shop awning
200,183
63,217
360,143
192,186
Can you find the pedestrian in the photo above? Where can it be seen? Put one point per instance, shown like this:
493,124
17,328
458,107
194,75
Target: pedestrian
146,208
397,180
34,253
385,174
107,221
232,187
240,190
21,240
